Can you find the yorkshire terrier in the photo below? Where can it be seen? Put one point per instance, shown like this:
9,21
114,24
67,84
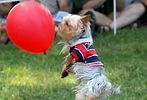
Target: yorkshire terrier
83,60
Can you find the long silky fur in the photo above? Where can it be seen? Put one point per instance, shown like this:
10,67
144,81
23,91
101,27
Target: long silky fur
92,81
65,47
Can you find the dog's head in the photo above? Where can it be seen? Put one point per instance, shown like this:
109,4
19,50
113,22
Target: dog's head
72,26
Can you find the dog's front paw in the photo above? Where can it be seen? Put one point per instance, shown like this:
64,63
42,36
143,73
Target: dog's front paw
64,74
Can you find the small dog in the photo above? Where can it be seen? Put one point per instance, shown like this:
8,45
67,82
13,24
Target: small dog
83,59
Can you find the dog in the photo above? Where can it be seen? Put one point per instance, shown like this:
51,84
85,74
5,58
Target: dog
83,60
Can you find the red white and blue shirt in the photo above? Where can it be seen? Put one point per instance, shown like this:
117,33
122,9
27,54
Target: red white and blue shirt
85,53
82,49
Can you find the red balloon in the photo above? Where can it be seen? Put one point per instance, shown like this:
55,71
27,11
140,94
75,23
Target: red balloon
30,27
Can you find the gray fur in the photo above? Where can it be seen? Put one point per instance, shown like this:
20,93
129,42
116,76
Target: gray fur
92,81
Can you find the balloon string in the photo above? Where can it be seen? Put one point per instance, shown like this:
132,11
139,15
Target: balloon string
45,52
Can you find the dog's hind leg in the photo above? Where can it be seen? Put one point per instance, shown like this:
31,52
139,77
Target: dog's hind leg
90,98
80,96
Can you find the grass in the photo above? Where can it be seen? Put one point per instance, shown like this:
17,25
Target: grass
25,76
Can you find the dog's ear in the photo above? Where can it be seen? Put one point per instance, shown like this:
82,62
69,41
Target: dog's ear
85,19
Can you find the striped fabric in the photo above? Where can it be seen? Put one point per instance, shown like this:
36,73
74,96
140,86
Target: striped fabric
85,53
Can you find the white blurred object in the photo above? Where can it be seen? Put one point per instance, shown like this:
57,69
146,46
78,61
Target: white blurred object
114,16
59,16
6,1
2,20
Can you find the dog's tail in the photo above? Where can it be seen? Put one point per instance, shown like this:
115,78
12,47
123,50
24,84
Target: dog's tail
111,89
115,90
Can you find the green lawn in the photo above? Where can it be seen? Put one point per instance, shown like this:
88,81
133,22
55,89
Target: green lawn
25,76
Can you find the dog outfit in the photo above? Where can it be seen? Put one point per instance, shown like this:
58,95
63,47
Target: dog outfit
84,52
88,68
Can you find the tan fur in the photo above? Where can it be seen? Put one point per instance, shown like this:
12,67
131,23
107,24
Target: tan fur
72,26
69,28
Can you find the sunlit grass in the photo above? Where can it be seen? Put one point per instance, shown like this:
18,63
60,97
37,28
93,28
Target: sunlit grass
22,76
25,76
